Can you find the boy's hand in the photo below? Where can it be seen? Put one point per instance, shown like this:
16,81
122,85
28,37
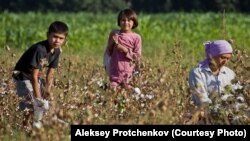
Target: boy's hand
42,103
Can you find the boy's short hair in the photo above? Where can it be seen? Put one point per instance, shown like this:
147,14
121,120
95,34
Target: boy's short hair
130,14
58,27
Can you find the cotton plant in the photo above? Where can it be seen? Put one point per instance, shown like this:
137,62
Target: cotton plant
229,107
137,94
232,104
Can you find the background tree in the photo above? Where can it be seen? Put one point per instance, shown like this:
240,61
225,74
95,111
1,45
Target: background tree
145,6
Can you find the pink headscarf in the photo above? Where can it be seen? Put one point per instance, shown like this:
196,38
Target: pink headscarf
215,48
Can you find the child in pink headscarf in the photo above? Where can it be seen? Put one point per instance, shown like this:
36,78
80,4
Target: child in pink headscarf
123,49
211,75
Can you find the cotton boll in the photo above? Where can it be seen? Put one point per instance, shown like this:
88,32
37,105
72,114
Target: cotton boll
99,83
226,96
240,99
149,96
135,73
237,86
137,91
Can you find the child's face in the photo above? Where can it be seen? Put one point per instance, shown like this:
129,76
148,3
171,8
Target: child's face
56,39
222,59
126,24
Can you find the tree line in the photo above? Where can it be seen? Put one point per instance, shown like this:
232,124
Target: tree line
145,6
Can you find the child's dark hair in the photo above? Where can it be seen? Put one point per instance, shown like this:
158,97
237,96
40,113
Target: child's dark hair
58,27
130,14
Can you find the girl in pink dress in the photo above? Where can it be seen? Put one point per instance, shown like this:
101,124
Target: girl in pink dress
124,50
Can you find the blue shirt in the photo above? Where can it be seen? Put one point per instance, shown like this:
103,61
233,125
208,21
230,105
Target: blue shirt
203,82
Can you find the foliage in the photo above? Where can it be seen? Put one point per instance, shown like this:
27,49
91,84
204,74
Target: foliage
89,32
97,6
144,6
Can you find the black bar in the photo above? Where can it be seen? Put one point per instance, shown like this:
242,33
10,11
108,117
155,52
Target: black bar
169,132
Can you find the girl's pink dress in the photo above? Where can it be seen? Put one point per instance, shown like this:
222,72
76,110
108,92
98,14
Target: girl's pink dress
122,64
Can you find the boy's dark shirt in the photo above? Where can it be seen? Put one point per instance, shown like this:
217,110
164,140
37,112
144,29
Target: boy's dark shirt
34,57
